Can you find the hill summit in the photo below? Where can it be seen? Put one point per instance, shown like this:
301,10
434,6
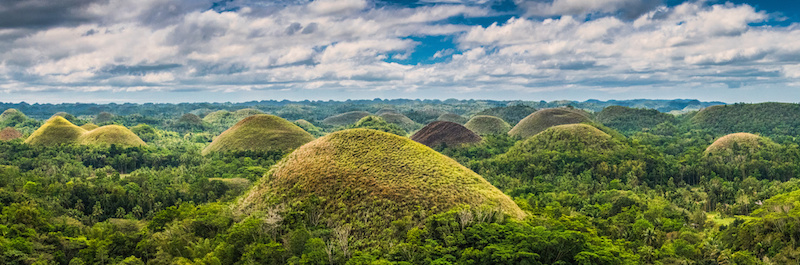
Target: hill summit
445,132
485,125
747,142
546,118
262,132
346,118
111,134
567,137
57,130
362,172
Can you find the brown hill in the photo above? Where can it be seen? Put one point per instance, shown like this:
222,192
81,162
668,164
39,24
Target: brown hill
445,132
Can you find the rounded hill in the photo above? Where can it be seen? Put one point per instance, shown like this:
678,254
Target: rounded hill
11,117
485,125
627,119
217,116
57,130
262,132
567,137
401,120
546,118
769,118
445,132
244,113
89,126
510,114
452,117
111,135
361,172
103,117
346,118
736,142
9,133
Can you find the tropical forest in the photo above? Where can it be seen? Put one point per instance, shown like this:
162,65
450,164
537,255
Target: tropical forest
400,182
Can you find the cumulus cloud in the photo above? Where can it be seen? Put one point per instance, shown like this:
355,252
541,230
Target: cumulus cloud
351,45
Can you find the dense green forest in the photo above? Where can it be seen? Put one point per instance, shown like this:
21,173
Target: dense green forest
637,182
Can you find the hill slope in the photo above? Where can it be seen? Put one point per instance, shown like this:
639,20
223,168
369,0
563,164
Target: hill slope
764,118
361,172
546,118
401,120
567,137
346,118
738,142
486,125
57,130
9,133
452,117
111,134
627,119
510,114
445,132
260,132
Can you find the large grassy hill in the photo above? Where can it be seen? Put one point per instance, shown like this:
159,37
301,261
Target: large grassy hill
111,134
9,133
260,132
360,173
445,132
486,125
57,130
546,118
567,137
11,117
763,118
738,142
627,119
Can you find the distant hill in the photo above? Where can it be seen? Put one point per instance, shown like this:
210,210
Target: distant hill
445,132
260,132
738,142
627,119
57,130
546,118
12,117
111,134
452,117
567,137
511,114
360,172
9,133
401,120
762,118
486,125
345,119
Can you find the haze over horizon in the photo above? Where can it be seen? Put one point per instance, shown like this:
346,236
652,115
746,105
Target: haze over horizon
170,51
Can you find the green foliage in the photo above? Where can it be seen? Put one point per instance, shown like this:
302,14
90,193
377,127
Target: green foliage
763,118
629,120
378,124
512,114
260,133
487,125
546,118
345,119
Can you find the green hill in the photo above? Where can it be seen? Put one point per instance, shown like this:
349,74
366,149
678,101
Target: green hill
111,134
445,132
379,124
9,133
57,130
401,120
12,117
763,118
345,119
359,172
486,125
567,137
546,118
103,117
627,119
69,117
510,114
260,132
452,117
386,111
738,142
217,116
309,127
89,126
244,113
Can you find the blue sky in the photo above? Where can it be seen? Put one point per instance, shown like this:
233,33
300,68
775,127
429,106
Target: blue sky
241,50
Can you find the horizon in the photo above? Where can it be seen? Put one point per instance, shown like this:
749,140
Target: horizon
214,50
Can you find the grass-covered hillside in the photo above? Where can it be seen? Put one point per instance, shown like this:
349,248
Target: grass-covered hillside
487,125
625,119
452,117
762,118
546,118
260,133
111,135
57,130
9,133
511,114
445,133
366,178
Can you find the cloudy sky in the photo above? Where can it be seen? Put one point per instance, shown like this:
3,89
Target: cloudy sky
241,50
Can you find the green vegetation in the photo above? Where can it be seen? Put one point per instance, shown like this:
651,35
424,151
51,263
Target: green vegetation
260,133
546,118
89,126
487,125
57,130
103,117
401,120
747,142
764,118
511,114
359,172
111,135
630,120
345,119
11,117
379,124
445,133
452,117
9,133
309,127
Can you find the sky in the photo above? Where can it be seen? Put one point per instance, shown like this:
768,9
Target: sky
241,50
